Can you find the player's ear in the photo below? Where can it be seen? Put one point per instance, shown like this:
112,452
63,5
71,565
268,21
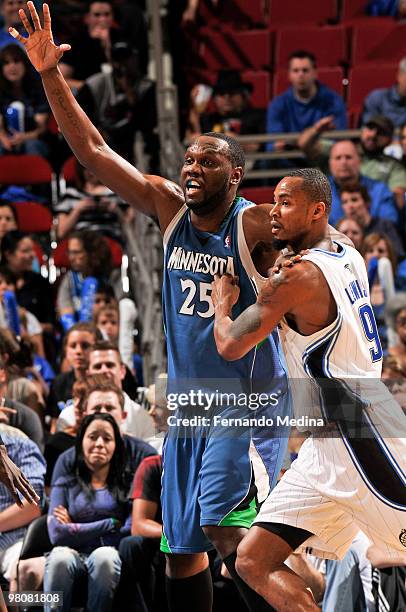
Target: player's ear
319,210
236,175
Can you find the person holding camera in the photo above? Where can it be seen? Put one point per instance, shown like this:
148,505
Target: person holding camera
89,205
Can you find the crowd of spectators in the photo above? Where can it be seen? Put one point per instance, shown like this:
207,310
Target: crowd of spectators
73,411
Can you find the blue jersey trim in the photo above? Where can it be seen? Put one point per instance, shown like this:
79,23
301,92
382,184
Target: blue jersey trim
330,253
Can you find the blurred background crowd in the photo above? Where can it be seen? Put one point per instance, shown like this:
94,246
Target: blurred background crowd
320,83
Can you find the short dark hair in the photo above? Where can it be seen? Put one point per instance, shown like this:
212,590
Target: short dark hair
8,275
105,345
303,54
357,188
237,155
315,184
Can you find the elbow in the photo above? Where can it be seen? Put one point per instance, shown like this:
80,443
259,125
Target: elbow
230,350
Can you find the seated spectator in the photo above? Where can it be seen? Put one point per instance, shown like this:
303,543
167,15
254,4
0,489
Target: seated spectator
304,103
375,136
8,218
380,260
345,166
107,320
122,103
91,48
88,516
158,410
13,518
389,102
90,260
105,359
232,114
19,415
356,202
352,229
88,206
23,106
76,347
18,360
396,321
103,298
140,554
33,292
9,12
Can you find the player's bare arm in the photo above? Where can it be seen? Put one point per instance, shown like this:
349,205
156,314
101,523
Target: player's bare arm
153,195
290,292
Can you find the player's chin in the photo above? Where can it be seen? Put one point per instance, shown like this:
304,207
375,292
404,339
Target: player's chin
195,201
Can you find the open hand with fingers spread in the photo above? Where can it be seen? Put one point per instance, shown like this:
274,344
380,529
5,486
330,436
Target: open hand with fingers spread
41,49
15,481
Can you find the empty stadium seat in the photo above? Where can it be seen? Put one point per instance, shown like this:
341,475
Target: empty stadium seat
363,79
238,13
239,50
382,42
353,9
33,217
332,77
27,170
259,195
296,11
328,44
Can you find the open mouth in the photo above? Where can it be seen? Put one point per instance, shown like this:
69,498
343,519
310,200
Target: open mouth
275,226
192,186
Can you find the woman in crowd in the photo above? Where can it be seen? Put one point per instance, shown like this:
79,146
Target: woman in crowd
89,514
381,263
353,230
8,218
91,264
76,347
23,106
33,291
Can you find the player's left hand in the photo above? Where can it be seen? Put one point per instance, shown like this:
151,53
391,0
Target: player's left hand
287,261
225,290
13,478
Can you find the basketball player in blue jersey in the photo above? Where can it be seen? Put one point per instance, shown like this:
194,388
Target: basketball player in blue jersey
341,481
209,487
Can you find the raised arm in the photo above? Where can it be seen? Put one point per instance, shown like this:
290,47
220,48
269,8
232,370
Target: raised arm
153,195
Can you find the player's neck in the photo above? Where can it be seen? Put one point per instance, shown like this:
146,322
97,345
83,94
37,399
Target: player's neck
316,237
211,221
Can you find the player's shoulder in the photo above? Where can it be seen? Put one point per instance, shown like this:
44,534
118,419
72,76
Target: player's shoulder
300,279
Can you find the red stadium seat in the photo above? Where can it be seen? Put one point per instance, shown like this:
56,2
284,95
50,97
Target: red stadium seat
238,13
24,170
296,11
68,171
259,195
33,217
259,79
353,9
382,42
61,259
240,50
332,77
363,79
328,44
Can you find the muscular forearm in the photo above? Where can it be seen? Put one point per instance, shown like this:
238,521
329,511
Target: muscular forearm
234,339
14,517
82,136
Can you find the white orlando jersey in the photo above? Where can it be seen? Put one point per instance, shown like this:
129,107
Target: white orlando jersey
349,348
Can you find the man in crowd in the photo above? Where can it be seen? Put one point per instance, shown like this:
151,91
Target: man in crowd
304,103
390,101
376,135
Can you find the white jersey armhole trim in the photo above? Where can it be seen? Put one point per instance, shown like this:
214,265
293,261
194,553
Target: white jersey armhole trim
245,254
169,230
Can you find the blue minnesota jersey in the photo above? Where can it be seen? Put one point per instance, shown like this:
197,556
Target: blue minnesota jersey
192,257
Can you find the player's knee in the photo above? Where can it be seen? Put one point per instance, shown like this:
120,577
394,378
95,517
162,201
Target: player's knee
246,564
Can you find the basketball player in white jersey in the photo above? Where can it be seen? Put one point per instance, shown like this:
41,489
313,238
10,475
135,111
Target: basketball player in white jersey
350,473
